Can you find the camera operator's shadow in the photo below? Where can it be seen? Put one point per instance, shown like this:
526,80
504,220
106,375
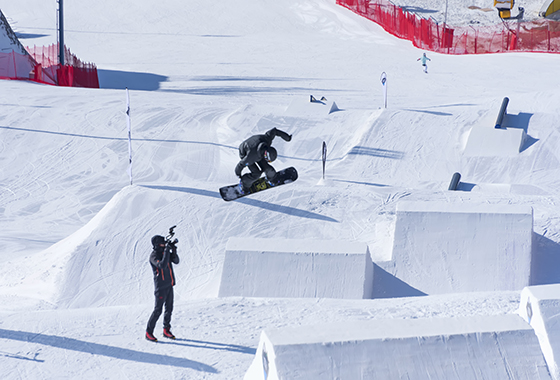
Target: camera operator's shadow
210,345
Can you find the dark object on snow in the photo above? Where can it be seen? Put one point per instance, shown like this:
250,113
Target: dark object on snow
232,192
324,157
162,258
455,181
502,113
150,337
256,153
168,334
157,240
170,236
313,100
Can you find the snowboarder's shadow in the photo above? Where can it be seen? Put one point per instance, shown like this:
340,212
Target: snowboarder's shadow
189,190
211,345
248,201
286,210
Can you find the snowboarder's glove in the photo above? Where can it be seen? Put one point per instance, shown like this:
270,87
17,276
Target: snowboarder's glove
289,138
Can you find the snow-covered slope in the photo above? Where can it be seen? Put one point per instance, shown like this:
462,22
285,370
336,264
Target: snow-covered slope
203,77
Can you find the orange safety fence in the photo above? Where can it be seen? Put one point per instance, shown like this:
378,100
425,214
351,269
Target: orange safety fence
534,36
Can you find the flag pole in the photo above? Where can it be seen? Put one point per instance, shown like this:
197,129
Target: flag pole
129,136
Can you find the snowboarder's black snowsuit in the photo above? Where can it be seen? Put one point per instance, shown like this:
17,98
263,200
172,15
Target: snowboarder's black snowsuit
252,154
162,259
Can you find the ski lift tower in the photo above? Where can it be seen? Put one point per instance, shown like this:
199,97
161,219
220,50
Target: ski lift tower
60,35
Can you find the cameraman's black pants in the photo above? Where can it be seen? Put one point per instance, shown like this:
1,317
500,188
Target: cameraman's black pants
163,297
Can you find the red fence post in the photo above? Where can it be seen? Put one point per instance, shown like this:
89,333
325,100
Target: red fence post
15,66
548,35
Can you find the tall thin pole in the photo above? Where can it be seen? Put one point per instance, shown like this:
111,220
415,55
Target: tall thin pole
60,32
129,136
384,84
445,17
444,37
324,157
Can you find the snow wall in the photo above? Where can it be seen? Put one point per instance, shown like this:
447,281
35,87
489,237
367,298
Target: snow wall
478,347
540,307
296,268
451,248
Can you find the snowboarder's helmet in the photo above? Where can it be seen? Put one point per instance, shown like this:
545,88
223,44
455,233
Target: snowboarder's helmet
270,154
157,240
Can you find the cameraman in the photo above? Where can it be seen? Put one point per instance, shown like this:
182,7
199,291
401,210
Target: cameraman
163,256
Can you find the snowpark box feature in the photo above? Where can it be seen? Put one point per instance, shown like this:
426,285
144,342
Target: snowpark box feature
296,268
478,347
462,247
540,307
502,138
486,141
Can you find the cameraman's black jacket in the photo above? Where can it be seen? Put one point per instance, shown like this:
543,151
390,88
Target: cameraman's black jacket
162,260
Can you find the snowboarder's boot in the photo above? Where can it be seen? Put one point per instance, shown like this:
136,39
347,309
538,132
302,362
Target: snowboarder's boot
242,189
150,337
167,333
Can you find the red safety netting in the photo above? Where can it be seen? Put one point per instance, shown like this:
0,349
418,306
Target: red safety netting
74,73
536,36
41,65
20,66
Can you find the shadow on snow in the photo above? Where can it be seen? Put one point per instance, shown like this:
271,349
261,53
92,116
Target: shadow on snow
119,80
212,345
104,350
545,261
250,202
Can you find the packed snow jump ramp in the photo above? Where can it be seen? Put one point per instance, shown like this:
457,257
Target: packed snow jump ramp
540,307
311,107
478,347
456,247
296,269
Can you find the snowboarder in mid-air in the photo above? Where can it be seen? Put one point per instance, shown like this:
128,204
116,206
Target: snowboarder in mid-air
424,60
256,153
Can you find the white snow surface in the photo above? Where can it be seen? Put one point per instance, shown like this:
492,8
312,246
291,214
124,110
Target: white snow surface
77,288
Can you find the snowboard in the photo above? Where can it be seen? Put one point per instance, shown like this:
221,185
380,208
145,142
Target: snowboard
229,193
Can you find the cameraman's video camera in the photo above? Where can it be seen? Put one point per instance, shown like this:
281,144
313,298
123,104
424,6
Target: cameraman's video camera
170,236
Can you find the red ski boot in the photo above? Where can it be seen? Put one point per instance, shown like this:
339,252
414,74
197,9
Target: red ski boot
167,333
150,337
